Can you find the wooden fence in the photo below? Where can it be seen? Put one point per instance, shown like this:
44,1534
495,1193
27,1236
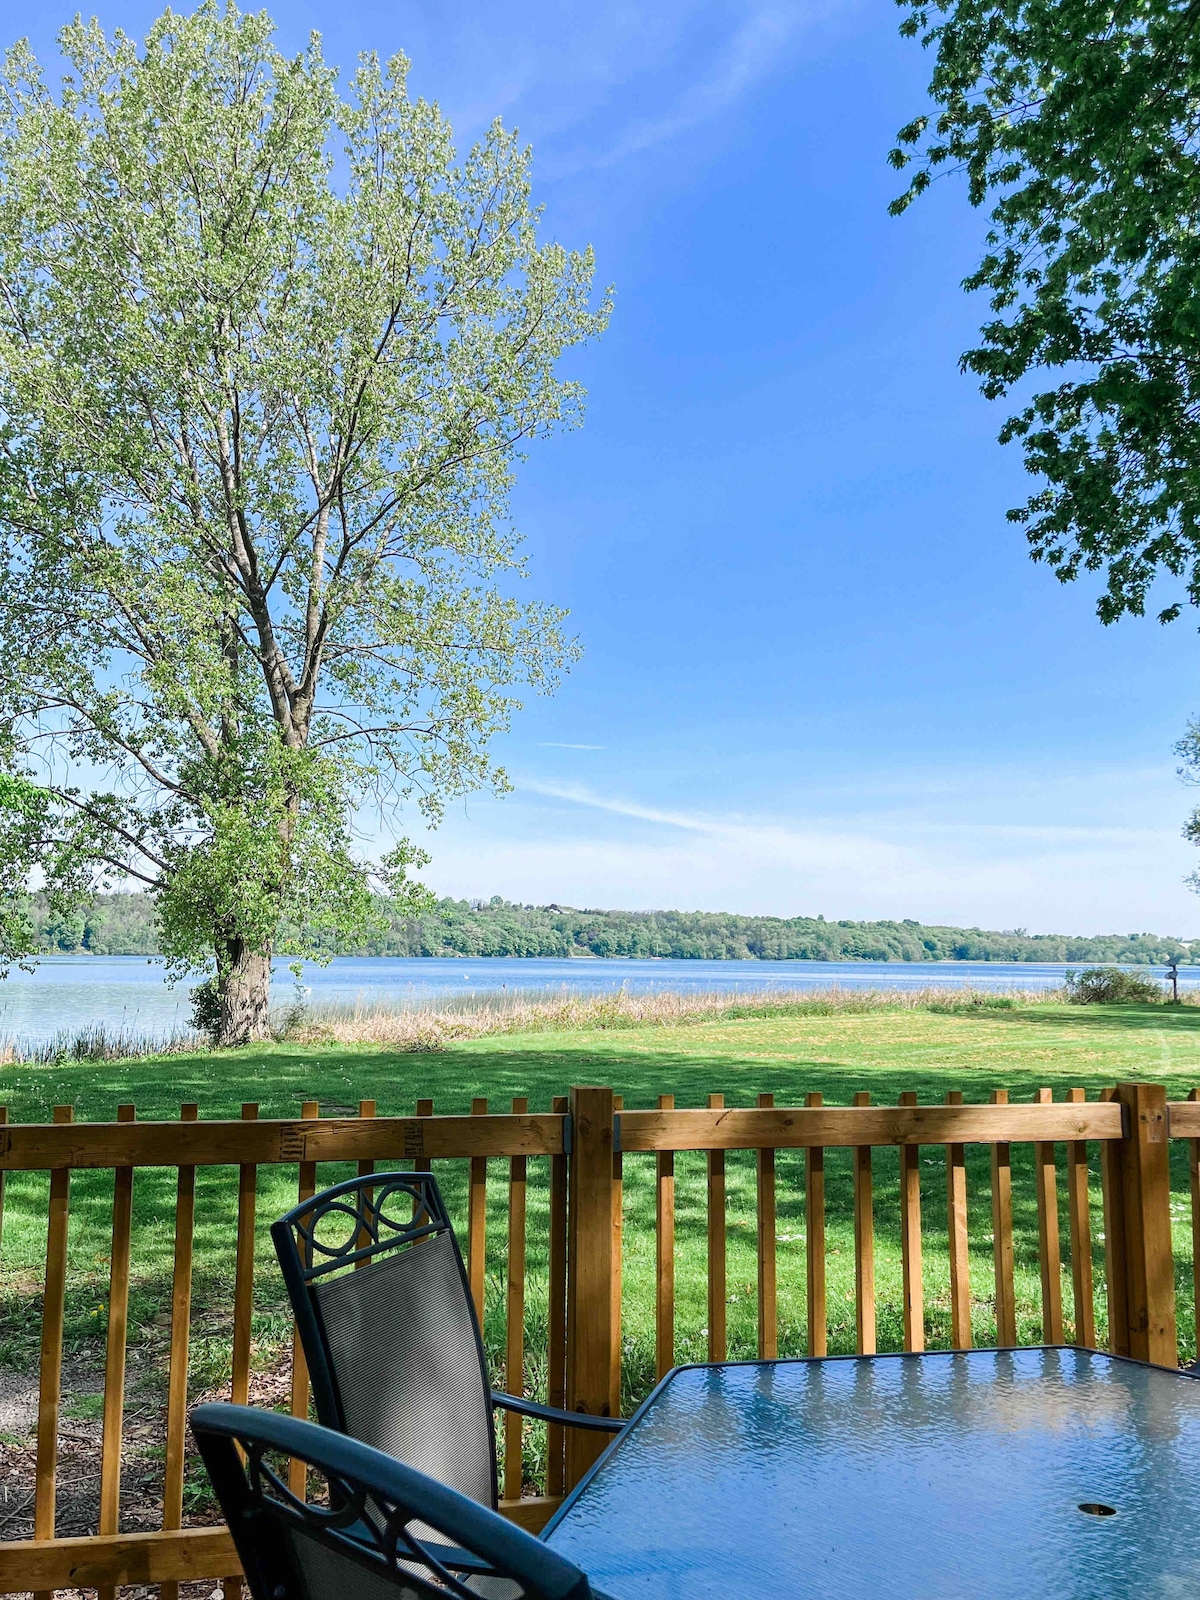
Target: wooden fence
585,1140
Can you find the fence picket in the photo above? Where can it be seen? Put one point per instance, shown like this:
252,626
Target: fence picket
243,1272
1049,1250
1079,1208
864,1244
814,1243
768,1303
514,1353
50,1374
424,1108
181,1324
618,1228
910,1239
956,1229
243,1298
1116,1278
556,1310
421,1163
114,1354
717,1347
3,1176
477,1221
664,1254
364,1169
1002,1240
366,1108
306,1187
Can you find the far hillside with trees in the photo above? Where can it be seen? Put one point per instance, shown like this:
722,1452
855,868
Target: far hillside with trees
123,924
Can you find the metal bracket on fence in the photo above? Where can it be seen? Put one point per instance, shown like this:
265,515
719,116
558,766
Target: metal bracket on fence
617,1133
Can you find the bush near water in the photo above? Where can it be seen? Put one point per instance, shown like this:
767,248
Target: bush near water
123,924
1111,986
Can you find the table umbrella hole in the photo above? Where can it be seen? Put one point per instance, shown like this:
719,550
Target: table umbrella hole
1093,1508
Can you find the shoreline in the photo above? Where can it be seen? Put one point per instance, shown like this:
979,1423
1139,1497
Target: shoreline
283,960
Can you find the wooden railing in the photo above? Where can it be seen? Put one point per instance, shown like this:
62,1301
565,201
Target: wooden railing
576,1156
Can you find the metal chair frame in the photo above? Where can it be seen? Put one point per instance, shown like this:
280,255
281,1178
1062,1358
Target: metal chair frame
378,1517
374,1229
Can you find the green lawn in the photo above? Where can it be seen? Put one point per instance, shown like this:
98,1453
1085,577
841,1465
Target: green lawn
931,1051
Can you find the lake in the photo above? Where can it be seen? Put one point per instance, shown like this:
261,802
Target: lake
68,993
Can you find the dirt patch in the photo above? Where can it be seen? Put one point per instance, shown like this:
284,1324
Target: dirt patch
77,1503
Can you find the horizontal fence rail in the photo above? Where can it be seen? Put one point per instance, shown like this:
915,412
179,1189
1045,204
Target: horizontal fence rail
43,1146
847,1127
582,1216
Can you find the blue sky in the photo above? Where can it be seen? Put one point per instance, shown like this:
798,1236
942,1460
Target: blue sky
821,674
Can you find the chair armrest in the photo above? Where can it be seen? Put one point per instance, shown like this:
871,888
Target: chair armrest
568,1419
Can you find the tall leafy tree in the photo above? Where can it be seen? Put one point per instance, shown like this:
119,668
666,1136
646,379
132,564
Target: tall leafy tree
1077,124
268,357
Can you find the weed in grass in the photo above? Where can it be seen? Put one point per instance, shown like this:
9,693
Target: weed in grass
85,1407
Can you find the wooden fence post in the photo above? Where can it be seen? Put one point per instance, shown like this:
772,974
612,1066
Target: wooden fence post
1146,1192
590,1354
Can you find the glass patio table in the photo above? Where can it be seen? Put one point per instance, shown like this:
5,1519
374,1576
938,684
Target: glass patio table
995,1473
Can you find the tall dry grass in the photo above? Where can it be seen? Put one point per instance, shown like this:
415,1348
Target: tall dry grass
414,1027
432,1026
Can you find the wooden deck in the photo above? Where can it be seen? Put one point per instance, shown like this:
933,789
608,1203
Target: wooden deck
585,1139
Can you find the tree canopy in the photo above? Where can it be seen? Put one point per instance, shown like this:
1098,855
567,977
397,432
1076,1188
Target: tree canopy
123,924
268,359
1078,124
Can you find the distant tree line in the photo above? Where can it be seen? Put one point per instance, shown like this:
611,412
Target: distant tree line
123,924
112,925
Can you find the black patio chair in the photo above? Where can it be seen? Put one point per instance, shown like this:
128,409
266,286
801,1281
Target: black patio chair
389,1331
380,1531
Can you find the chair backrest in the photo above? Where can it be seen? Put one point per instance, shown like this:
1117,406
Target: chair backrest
375,1529
380,1297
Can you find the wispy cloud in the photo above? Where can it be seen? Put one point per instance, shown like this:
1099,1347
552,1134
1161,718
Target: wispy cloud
599,849
598,82
750,54
799,842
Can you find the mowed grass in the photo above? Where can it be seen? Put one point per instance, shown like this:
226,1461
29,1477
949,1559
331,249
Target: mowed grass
974,1049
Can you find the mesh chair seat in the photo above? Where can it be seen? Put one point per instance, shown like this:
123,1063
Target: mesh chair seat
403,1353
381,1531
388,1328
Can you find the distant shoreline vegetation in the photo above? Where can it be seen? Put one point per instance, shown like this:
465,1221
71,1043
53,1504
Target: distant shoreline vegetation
123,925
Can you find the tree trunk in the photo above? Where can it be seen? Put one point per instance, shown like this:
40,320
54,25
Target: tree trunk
244,990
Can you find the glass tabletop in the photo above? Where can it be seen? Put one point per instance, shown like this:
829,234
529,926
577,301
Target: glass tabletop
938,1475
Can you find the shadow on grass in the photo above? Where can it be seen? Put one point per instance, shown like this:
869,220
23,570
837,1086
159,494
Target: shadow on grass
1130,1018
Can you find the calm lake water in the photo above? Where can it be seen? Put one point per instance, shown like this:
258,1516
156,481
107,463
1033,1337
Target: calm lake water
68,993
